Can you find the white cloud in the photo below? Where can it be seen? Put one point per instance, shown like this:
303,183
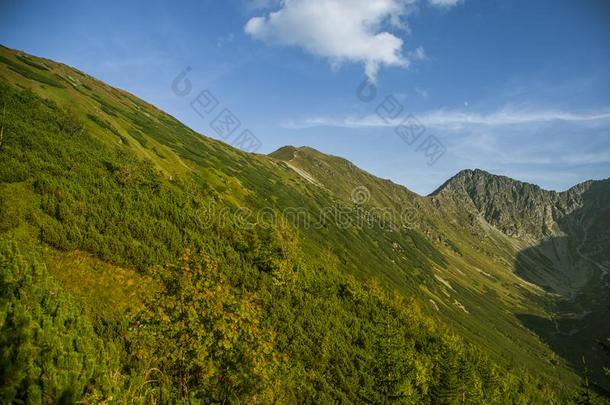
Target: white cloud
511,148
507,116
454,120
418,54
340,30
444,3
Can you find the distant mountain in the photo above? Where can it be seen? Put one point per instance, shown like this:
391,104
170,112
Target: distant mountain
520,209
574,219
239,276
568,254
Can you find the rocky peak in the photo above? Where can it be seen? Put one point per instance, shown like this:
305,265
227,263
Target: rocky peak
516,208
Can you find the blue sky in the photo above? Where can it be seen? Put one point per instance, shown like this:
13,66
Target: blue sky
520,88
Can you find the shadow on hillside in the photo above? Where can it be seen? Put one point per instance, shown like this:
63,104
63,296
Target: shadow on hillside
570,268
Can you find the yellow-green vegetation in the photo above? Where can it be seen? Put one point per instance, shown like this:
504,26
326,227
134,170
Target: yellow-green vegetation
319,337
50,350
128,229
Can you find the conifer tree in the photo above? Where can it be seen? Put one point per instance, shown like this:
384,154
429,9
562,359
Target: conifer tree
584,396
448,387
49,350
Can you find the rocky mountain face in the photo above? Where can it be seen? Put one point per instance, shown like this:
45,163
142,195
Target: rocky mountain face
564,225
519,210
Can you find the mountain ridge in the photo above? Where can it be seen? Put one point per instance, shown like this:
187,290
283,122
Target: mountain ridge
527,201
469,172
287,153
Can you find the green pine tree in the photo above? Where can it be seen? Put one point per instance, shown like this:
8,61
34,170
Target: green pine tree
448,389
49,350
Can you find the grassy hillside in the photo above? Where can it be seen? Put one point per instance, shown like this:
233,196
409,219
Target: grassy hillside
494,234
210,274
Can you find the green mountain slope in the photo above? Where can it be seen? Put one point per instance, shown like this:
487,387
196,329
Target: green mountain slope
500,228
216,275
568,237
